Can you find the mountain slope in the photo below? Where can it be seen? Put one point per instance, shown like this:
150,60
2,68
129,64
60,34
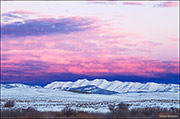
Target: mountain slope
18,85
117,86
93,90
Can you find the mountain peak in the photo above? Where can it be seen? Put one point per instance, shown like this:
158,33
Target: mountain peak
81,80
100,80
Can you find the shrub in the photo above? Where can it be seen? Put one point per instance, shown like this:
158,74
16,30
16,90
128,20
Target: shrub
111,107
153,112
69,112
51,114
85,115
31,112
122,110
19,112
123,106
9,103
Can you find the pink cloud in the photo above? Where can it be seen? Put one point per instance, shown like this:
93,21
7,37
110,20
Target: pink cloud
23,12
132,3
97,50
144,50
76,62
150,43
46,16
167,4
174,39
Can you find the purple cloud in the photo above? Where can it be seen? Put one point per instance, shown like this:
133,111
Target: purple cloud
6,17
40,27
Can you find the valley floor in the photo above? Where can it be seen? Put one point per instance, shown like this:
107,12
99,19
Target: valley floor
55,100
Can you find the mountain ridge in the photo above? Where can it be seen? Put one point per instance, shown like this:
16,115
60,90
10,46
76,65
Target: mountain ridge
116,85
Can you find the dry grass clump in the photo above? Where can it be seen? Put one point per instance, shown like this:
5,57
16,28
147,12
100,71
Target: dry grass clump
122,110
9,103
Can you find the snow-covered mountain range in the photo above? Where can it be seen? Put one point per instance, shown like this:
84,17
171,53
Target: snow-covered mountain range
102,86
116,86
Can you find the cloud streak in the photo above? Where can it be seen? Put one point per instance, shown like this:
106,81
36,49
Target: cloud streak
38,27
167,4
174,39
150,43
133,3
22,12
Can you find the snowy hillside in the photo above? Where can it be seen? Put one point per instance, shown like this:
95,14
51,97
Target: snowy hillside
92,90
117,86
18,85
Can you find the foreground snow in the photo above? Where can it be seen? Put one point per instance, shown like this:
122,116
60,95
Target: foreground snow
55,100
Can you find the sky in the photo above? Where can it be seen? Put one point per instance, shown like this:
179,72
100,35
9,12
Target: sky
49,41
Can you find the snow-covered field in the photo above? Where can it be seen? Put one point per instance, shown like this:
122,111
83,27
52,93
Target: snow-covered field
55,99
